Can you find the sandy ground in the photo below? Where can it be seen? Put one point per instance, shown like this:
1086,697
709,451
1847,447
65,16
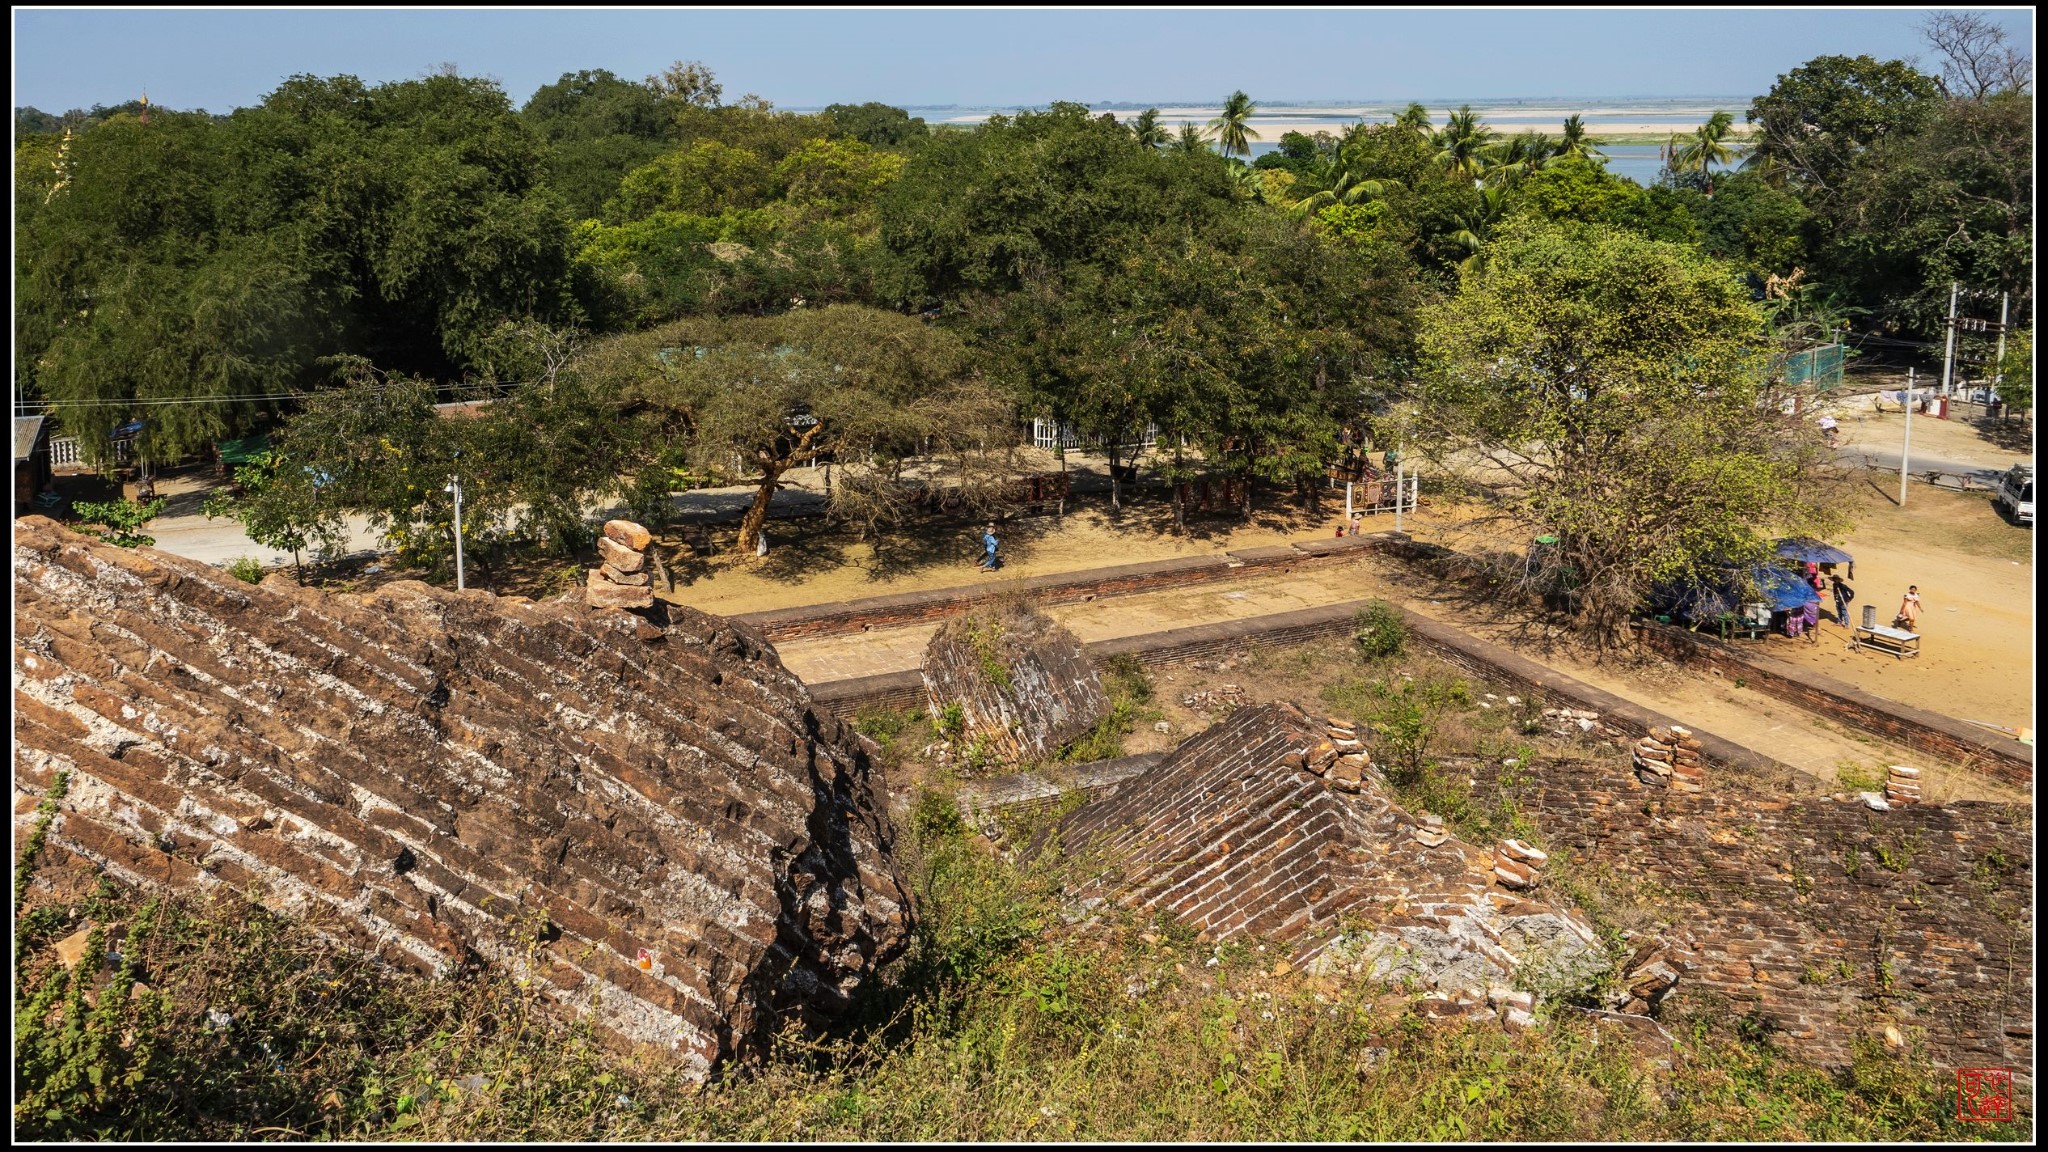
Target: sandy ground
823,567
1744,715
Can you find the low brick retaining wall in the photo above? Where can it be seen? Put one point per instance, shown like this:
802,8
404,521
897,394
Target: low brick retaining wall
1027,792
1623,720
816,620
1916,729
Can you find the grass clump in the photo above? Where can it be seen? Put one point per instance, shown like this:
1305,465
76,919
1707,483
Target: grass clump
1379,631
1130,697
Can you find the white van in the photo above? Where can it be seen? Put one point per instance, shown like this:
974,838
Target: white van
2015,496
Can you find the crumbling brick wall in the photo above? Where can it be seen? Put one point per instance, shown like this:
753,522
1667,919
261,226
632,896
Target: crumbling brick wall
1274,824
446,774
1024,683
1823,916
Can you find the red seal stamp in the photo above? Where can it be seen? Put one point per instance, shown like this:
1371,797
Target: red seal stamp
1983,1093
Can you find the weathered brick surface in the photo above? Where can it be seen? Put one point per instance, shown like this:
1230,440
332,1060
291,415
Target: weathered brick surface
1241,829
1023,681
1913,728
443,772
1828,918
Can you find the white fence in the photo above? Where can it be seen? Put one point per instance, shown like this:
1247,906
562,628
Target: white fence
63,451
1051,434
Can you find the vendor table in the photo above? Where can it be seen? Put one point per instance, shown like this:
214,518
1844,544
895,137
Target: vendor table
1896,641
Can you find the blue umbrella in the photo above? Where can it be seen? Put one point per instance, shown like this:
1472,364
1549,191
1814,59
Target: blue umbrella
1783,591
1810,551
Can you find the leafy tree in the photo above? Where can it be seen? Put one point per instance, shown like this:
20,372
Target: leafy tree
869,389
1818,117
1608,390
1414,118
877,125
1232,126
1952,203
1753,225
598,127
1576,143
283,506
1572,190
687,84
1033,196
2016,373
1707,147
704,178
836,177
119,522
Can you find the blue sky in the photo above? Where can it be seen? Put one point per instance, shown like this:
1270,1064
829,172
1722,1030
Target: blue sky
221,59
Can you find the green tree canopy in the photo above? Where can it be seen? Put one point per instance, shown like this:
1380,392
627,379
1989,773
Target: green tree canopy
1608,389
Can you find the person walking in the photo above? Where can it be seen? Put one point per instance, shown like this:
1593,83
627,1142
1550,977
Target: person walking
1909,610
1843,594
989,562
1829,430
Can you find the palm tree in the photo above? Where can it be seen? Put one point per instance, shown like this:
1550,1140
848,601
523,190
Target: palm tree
1339,180
1476,227
1462,142
1706,148
1415,118
1232,131
1250,182
1576,144
1519,155
1189,141
1149,131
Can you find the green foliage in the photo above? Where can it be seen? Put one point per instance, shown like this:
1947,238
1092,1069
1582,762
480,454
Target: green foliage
1854,777
1129,691
118,522
1405,713
705,178
1002,1023
1379,631
247,569
2016,372
1639,364
1579,190
951,721
877,125
283,507
1818,117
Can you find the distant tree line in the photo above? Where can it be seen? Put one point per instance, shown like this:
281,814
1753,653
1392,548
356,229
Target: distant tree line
688,290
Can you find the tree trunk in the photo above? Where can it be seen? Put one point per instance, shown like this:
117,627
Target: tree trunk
757,513
1115,487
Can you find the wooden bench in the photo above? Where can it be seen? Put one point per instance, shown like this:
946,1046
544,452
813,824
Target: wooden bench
1897,641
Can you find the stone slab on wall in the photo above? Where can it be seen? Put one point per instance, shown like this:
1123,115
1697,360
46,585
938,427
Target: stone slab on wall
442,775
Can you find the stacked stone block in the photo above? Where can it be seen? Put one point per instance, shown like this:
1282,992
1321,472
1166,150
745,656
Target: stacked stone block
621,579
1902,785
1669,757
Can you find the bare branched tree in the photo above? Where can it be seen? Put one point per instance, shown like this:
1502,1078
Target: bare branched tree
1976,62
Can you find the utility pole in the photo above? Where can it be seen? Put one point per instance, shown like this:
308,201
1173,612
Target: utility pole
1998,365
1907,447
455,488
1400,483
1948,356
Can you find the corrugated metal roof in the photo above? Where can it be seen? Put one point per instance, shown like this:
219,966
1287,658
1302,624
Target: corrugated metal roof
27,430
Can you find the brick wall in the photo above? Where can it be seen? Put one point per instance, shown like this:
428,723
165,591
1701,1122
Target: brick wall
1793,903
1486,661
817,620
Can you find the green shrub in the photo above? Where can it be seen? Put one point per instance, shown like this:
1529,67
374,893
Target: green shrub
119,522
1379,631
246,569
